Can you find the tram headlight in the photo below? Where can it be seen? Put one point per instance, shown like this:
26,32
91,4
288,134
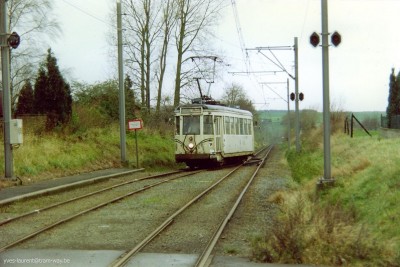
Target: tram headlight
191,145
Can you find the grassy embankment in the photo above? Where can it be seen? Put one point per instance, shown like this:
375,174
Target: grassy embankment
354,223
49,155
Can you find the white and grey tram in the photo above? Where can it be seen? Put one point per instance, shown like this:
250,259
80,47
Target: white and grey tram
212,134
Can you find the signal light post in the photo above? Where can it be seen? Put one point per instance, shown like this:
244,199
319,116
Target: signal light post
336,40
7,41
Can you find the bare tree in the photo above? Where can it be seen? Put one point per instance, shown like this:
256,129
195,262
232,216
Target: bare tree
34,22
168,23
143,28
194,18
235,96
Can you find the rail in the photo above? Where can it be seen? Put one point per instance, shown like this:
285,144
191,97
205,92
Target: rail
46,228
124,258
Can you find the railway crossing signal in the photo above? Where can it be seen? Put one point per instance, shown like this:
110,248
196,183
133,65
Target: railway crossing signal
293,96
336,39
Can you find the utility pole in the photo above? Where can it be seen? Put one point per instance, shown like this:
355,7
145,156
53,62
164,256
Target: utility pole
325,83
5,69
288,111
121,86
296,82
295,78
336,39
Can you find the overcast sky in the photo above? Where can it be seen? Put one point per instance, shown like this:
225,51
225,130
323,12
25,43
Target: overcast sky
359,67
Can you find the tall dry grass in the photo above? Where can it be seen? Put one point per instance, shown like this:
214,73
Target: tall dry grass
311,233
352,224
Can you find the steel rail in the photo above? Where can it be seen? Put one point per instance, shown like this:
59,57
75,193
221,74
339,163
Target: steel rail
84,196
29,236
204,259
127,256
124,258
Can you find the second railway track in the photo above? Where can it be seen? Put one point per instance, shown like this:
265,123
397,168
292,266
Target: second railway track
129,220
82,209
194,230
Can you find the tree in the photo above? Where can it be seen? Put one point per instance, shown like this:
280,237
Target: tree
41,92
26,100
194,18
53,94
130,97
168,22
394,95
143,28
235,96
35,23
103,97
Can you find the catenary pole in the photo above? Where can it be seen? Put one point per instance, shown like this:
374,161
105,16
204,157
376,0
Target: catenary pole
288,110
5,67
296,80
121,86
325,83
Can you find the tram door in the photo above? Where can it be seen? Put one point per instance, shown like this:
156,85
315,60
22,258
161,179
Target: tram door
218,133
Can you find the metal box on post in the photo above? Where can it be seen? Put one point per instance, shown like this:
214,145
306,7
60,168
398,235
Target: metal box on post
16,137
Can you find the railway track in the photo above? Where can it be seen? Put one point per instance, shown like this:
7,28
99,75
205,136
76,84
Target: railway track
204,259
39,212
38,230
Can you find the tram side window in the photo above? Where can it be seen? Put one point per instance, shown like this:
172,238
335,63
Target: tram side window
236,125
191,125
227,125
241,126
232,125
249,127
177,125
208,124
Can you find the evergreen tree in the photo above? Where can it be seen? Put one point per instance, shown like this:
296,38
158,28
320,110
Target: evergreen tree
53,94
393,106
130,101
26,100
41,92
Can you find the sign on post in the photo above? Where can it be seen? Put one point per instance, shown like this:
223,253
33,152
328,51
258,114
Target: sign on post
134,125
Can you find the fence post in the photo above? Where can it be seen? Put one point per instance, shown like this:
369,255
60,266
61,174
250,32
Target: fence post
351,125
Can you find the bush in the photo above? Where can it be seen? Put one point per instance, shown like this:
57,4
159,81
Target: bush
309,232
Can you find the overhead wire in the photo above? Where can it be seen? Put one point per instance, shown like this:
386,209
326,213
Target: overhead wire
85,12
240,34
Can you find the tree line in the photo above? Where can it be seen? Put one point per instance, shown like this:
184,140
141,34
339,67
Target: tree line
50,95
160,38
166,33
393,107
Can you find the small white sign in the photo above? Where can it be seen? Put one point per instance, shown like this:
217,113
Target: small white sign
135,125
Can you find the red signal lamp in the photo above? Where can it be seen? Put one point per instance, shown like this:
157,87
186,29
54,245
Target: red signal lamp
301,96
314,39
292,96
13,40
336,38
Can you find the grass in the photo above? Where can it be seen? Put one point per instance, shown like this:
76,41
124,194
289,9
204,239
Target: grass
355,222
56,154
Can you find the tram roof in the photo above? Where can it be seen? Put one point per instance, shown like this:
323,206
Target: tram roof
215,108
